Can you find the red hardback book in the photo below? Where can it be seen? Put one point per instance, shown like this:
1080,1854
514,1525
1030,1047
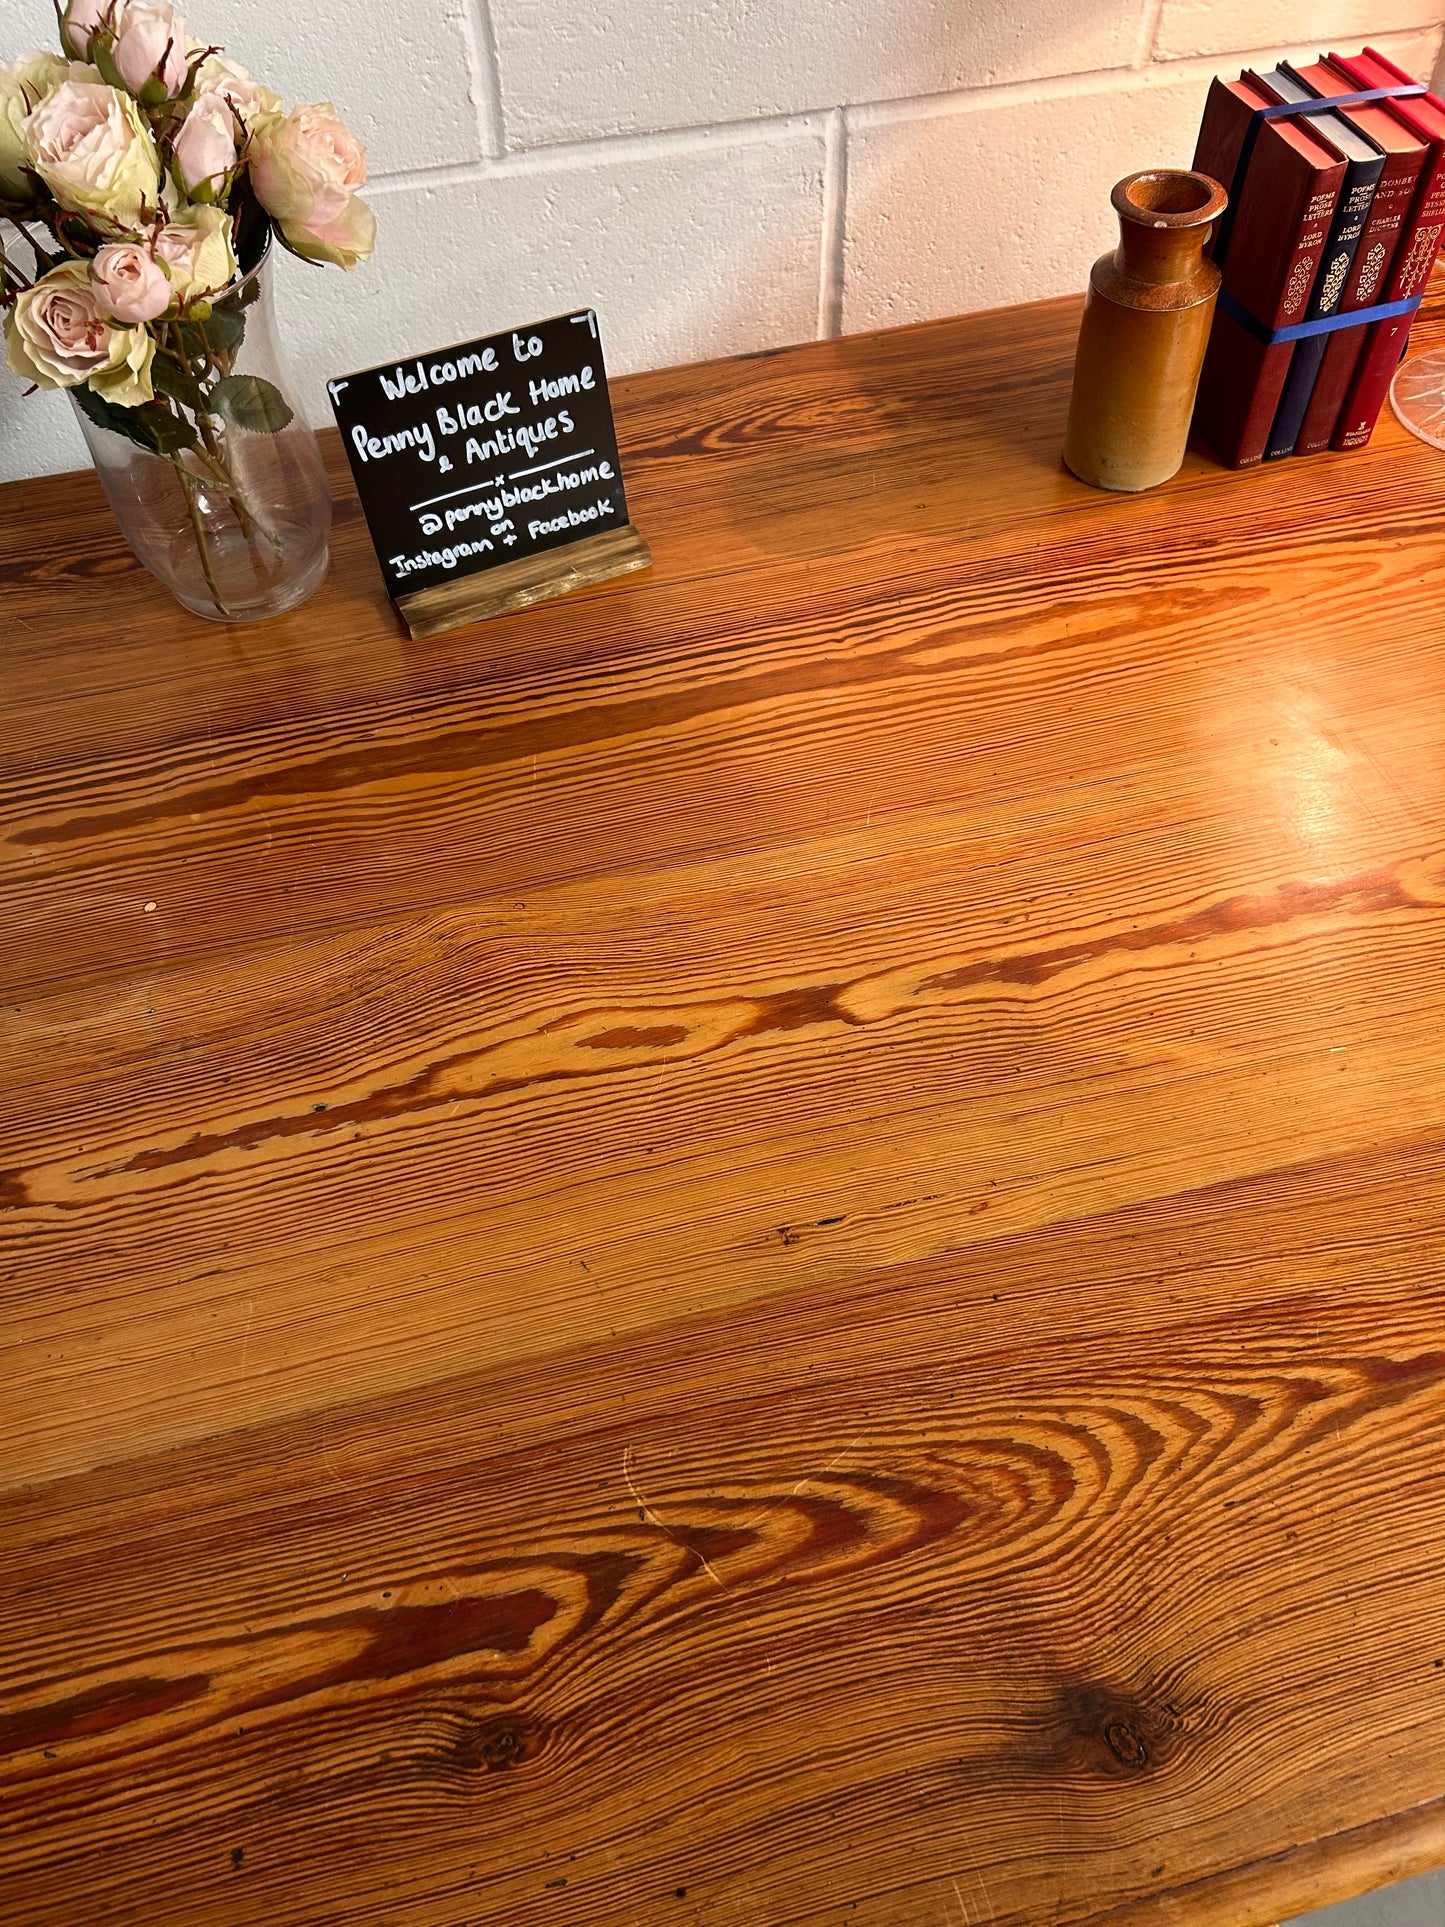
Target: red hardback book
1276,238
1415,253
1405,157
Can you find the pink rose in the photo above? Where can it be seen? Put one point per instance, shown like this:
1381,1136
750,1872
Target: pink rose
128,283
247,99
205,148
79,21
306,168
348,238
150,44
57,337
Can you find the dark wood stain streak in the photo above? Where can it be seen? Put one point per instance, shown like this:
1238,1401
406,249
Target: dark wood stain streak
884,611
635,1037
805,1007
406,1639
786,1011
98,1710
1355,896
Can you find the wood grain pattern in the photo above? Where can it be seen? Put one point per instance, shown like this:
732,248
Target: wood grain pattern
760,1247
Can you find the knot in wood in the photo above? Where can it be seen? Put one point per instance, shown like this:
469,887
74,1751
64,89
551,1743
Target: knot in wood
1125,1744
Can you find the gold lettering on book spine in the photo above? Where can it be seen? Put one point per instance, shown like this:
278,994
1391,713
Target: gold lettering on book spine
1299,282
1420,259
1334,281
1370,276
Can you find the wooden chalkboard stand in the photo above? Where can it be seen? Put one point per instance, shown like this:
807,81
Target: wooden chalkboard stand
517,585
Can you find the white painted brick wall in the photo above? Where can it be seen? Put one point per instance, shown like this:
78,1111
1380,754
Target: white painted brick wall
719,175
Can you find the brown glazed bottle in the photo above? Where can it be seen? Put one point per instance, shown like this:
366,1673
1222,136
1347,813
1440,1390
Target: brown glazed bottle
1144,332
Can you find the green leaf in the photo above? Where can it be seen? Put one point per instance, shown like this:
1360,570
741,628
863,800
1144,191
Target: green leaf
224,331
252,234
152,426
105,414
251,403
179,383
102,57
169,433
221,333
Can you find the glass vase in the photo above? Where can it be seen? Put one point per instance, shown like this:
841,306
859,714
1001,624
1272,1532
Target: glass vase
1417,395
218,485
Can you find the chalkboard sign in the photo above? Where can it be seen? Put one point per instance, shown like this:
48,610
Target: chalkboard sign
489,472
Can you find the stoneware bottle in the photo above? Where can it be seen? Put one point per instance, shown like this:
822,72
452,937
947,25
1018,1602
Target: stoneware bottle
1145,328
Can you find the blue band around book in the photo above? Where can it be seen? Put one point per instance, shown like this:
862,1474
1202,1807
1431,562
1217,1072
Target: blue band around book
1327,324
1329,103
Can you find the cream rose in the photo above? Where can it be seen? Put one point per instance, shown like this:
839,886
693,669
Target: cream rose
305,169
150,46
17,190
130,285
89,145
196,247
205,148
24,83
56,336
40,74
247,99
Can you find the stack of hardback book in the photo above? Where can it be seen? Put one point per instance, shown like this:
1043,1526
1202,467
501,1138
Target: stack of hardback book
1331,213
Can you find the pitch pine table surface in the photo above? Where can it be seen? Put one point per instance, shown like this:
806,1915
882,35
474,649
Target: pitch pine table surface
763,1247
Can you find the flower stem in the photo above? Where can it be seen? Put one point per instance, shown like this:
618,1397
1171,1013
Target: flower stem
9,272
203,545
215,456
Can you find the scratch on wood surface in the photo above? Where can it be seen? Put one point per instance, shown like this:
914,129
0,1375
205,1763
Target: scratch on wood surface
837,1459
653,1518
246,1336
793,1491
976,1873
325,1458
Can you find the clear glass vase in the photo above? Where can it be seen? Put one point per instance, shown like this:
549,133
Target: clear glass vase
1418,396
218,486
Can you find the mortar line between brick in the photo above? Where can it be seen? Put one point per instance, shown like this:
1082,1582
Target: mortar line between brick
835,226
609,147
1148,32
487,75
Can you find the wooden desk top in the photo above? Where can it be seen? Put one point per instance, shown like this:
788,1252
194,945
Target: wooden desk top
760,1248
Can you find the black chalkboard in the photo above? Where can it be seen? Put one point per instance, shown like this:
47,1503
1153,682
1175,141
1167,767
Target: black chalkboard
481,454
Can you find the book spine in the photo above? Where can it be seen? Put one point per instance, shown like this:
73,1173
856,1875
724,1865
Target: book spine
1356,199
1222,132
1377,249
1386,341
1283,232
1239,392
